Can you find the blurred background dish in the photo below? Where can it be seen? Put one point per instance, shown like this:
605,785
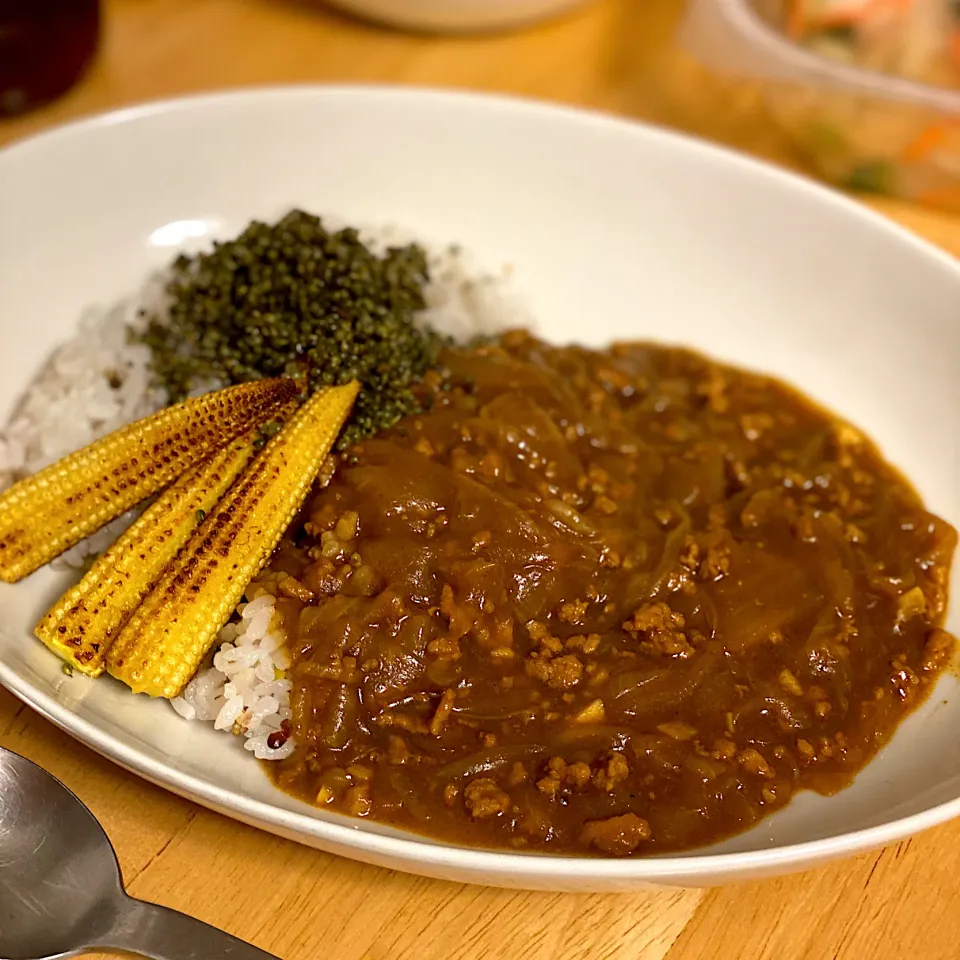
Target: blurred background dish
917,39
456,15
864,89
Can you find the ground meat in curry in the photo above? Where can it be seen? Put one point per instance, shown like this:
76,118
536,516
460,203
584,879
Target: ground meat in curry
618,602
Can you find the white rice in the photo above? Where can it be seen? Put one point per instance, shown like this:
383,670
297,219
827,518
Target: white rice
99,381
244,689
90,385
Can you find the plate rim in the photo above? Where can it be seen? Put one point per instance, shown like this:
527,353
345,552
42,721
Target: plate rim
496,101
413,854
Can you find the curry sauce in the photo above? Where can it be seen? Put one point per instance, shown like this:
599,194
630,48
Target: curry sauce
620,602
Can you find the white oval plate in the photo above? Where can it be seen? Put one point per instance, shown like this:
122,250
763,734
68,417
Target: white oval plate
614,230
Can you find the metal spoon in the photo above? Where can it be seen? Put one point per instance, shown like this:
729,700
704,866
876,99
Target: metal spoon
60,887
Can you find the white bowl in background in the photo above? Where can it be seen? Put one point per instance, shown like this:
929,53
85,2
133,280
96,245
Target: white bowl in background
456,16
613,230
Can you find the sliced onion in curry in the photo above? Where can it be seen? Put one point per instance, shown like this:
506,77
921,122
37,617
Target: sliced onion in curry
626,583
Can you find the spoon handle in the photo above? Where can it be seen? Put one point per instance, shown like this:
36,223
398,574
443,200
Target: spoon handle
153,931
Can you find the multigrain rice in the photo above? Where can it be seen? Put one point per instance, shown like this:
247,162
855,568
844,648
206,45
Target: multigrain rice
98,381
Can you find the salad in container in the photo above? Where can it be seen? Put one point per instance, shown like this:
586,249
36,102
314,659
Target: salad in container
868,89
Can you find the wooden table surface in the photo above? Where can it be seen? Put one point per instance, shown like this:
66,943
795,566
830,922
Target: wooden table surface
901,902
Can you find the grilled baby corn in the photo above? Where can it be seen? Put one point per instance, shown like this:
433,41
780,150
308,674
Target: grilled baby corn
161,646
49,512
84,621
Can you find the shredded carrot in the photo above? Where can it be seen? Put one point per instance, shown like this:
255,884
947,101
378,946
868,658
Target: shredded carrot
953,45
797,19
924,144
948,197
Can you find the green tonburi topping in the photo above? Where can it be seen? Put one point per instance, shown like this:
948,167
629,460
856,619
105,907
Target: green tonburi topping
291,296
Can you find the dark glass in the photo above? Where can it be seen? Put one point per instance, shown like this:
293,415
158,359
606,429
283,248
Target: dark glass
45,47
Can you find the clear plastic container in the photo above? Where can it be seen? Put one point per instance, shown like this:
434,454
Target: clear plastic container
862,130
